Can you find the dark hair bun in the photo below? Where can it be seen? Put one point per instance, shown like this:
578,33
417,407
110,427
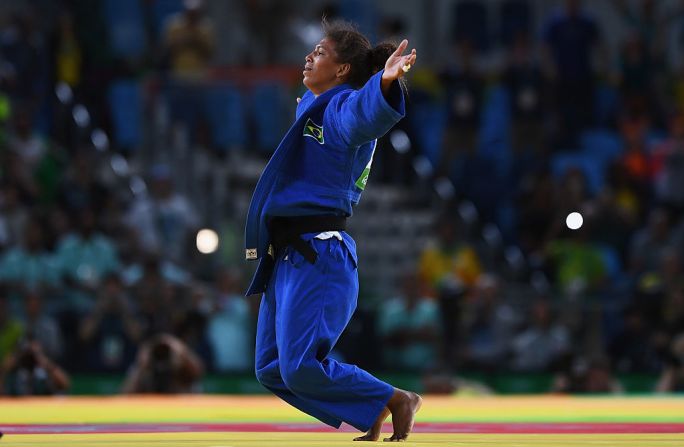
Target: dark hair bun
379,54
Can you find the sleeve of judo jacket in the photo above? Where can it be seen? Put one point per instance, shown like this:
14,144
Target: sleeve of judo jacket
356,117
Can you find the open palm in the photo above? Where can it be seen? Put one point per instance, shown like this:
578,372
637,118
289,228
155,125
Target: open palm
394,67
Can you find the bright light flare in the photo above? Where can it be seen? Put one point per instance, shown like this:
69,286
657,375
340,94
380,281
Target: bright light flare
207,241
574,220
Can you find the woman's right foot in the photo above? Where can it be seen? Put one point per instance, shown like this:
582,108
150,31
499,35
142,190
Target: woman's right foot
374,433
403,405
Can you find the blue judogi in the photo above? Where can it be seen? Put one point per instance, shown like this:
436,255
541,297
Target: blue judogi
320,168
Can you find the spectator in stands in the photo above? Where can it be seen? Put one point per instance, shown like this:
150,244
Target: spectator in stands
637,159
42,327
409,325
633,349
450,258
524,82
536,208
13,216
80,185
86,256
672,377
160,302
16,173
577,262
109,333
585,376
571,194
24,59
649,243
447,384
626,194
67,51
266,25
30,372
164,365
231,326
189,42
669,165
612,223
653,287
636,75
11,329
30,265
570,38
542,343
599,378
165,221
672,316
25,142
664,310
464,84
147,269
649,21
489,324
191,328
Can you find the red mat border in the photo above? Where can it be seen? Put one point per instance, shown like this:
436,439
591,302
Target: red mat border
420,427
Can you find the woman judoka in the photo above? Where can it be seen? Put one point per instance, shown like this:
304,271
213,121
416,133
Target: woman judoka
295,226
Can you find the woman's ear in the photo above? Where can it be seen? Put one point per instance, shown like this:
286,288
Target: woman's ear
343,70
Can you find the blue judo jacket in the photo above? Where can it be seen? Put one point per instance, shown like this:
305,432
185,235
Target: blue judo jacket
322,164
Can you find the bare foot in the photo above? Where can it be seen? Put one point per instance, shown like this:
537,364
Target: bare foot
374,433
404,405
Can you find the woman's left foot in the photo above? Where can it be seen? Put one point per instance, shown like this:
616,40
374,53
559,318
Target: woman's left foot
404,405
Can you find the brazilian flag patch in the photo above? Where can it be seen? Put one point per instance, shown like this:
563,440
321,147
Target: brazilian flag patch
314,131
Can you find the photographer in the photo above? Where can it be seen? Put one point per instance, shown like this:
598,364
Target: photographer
29,372
672,378
165,365
111,331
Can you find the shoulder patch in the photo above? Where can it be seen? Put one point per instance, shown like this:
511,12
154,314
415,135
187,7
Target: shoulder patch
314,131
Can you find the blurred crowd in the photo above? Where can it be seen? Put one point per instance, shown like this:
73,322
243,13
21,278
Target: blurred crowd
115,117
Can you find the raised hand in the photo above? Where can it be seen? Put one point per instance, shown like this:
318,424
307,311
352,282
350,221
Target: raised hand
397,64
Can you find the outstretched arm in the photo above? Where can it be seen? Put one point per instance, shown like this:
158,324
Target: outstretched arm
396,66
363,115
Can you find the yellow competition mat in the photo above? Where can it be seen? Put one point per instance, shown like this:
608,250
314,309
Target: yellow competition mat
266,421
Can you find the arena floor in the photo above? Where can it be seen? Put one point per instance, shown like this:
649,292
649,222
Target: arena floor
220,421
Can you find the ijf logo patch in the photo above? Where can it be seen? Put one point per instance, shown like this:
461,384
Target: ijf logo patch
314,131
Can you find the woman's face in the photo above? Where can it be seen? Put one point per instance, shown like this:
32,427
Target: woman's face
321,71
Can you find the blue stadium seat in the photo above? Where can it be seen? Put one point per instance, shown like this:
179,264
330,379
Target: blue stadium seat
226,115
602,145
611,259
495,130
606,104
125,105
593,172
428,120
270,126
161,10
471,23
484,185
361,12
125,27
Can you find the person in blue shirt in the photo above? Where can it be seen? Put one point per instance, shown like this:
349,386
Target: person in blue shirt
307,271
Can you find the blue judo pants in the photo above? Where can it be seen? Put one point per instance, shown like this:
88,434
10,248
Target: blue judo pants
303,313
